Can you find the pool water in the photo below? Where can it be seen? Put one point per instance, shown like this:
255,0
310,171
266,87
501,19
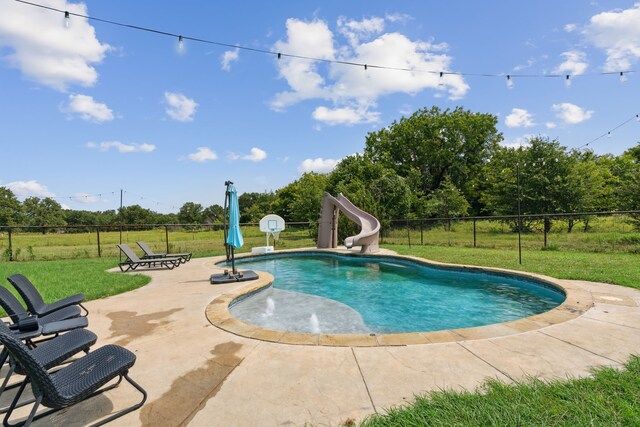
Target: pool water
331,293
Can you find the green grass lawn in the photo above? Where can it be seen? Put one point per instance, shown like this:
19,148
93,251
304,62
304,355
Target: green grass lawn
58,279
616,268
609,398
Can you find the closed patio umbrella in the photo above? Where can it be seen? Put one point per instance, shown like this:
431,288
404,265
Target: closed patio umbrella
232,239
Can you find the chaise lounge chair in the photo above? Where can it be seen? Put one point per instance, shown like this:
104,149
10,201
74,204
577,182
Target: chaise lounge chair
80,380
149,254
49,354
28,328
34,301
133,261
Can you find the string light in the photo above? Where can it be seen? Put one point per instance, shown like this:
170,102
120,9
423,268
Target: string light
303,57
67,19
440,79
567,81
609,133
623,78
180,44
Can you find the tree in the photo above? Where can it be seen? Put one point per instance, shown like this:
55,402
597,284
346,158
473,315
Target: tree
253,206
213,214
447,201
301,200
10,208
43,212
190,213
433,144
136,214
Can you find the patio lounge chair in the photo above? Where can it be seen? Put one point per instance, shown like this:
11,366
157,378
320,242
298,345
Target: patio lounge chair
34,301
28,328
50,354
148,253
80,380
133,261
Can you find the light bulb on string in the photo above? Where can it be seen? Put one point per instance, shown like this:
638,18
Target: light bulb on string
180,44
623,78
567,81
637,117
509,82
440,79
67,19
609,135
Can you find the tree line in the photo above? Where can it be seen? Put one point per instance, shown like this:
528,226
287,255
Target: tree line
435,163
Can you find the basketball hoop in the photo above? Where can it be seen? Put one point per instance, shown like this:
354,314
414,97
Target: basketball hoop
272,225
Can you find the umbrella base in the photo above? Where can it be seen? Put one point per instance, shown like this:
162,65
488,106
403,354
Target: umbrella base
240,276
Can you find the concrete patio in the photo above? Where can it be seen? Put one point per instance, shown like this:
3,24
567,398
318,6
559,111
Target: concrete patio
200,375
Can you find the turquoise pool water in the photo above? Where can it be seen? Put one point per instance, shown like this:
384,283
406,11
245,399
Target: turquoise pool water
331,293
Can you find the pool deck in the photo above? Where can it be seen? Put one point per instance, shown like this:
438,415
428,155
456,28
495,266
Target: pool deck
198,374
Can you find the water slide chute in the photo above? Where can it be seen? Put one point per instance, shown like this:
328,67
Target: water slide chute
369,234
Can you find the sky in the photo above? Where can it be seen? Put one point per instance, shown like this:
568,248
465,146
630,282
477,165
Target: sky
88,108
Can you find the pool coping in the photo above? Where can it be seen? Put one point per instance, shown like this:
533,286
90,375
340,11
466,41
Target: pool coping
577,302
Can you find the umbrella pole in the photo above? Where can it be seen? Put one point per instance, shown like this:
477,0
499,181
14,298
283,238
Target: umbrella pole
233,261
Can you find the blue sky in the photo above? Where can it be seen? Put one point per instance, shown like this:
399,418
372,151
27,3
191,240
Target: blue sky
94,108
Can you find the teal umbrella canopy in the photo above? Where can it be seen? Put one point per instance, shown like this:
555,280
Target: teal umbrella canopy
234,238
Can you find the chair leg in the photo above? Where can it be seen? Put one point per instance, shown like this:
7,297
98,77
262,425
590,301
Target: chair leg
14,405
86,312
126,410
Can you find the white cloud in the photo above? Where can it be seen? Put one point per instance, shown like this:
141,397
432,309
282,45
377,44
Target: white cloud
121,147
571,113
521,67
202,155
519,118
256,155
318,165
233,156
29,189
88,109
521,141
355,30
618,34
353,90
47,52
550,125
574,63
398,17
569,28
181,108
229,57
345,116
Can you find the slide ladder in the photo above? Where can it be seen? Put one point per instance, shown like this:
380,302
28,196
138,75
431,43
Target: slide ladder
369,235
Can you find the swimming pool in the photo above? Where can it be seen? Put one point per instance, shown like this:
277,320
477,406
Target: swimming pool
340,294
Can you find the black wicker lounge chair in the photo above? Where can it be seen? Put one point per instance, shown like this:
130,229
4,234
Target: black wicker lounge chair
50,354
149,253
34,301
133,261
80,380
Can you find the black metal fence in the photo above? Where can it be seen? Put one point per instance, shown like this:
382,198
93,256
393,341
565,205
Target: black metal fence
588,232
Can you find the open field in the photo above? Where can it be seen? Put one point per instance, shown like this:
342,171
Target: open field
202,242
610,234
605,234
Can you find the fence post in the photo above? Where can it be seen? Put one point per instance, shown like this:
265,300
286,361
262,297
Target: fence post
474,232
98,234
166,236
546,225
408,232
10,247
421,236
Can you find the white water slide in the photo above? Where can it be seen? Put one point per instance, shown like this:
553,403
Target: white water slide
369,234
